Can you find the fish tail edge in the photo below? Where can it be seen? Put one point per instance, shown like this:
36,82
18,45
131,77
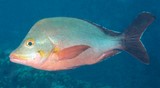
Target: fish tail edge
131,42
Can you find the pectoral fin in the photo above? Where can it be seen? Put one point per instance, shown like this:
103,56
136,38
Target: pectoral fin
71,52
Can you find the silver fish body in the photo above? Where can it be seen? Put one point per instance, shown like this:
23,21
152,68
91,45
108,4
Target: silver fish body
63,43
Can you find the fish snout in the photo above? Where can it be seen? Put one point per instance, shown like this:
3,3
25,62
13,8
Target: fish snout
16,58
13,57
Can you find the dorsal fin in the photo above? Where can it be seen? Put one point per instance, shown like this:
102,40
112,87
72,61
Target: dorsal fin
105,30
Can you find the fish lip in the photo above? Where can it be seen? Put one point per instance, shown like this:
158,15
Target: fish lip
16,58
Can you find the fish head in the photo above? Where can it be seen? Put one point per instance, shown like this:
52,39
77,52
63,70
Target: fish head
34,49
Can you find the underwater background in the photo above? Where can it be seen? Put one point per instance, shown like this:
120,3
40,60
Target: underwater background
120,71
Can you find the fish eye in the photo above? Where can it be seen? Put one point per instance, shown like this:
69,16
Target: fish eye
29,43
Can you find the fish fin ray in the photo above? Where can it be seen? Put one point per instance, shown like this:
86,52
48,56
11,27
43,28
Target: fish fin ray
105,30
71,52
108,54
131,43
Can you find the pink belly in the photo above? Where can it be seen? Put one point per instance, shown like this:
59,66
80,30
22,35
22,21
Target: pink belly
86,58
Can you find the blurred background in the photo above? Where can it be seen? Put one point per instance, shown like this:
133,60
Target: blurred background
120,71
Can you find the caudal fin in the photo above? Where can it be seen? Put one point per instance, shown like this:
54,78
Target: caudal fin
131,42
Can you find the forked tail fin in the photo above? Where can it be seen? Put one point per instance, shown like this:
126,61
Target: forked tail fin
131,41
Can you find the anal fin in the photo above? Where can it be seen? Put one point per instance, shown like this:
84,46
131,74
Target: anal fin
108,54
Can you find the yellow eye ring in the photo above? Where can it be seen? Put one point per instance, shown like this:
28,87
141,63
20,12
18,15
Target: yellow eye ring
30,42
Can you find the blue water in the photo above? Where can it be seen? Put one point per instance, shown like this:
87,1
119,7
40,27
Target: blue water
120,71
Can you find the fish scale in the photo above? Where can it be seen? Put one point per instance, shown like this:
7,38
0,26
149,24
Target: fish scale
63,43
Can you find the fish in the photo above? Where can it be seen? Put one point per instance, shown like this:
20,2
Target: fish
63,43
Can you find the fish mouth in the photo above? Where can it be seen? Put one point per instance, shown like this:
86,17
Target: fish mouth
17,58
